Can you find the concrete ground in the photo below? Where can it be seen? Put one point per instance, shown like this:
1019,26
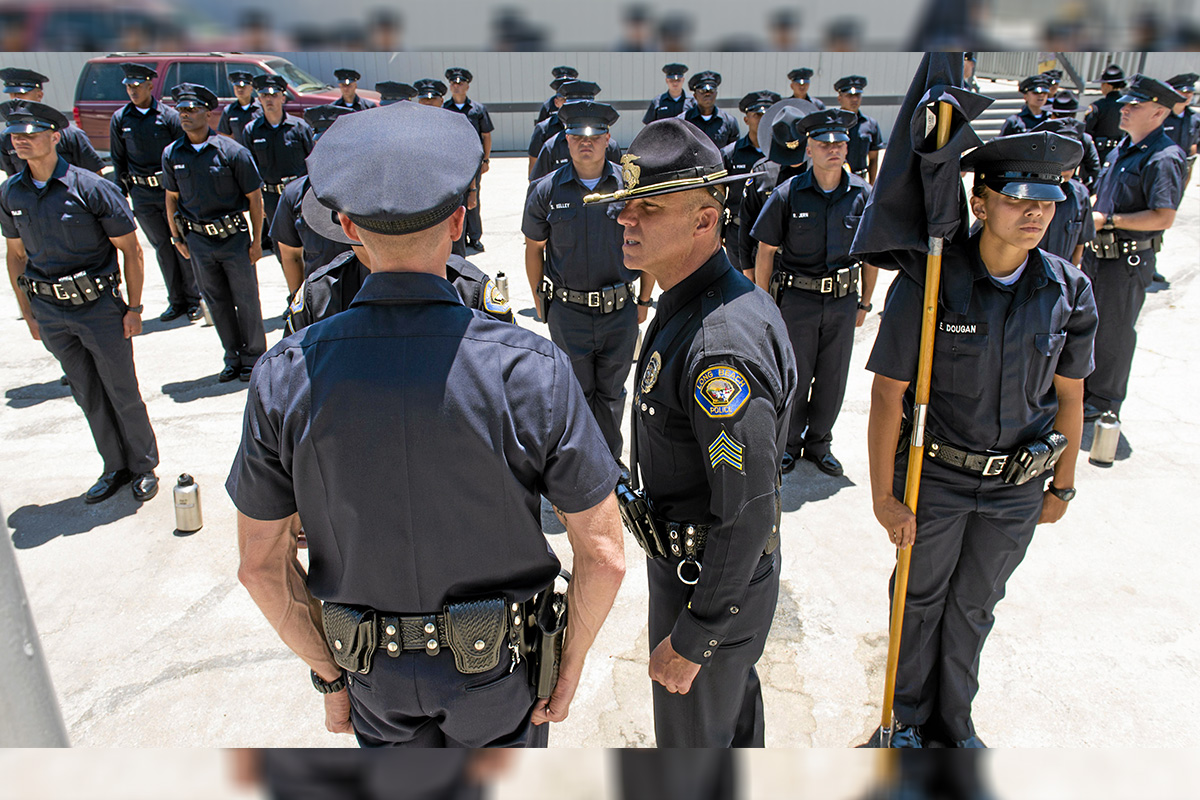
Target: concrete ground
152,642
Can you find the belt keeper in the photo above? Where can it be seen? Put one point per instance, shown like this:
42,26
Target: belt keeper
432,647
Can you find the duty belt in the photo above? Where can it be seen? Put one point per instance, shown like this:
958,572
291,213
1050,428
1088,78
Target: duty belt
840,284
986,464
153,181
222,228
277,188
1107,245
685,541
74,290
605,300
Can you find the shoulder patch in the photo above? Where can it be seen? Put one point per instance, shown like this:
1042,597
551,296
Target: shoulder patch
726,450
493,299
297,304
721,392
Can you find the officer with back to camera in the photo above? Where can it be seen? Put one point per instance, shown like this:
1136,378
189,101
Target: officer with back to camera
138,134
1103,117
477,114
357,425
740,157
717,125
866,139
73,143
63,226
238,114
715,379
671,102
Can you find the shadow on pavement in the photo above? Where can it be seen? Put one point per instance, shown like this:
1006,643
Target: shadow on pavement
208,386
807,484
154,325
33,526
34,393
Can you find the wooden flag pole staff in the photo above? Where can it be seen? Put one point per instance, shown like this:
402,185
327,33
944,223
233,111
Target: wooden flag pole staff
916,447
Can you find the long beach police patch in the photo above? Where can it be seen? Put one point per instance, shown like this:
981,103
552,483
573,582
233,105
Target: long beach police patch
722,391
493,299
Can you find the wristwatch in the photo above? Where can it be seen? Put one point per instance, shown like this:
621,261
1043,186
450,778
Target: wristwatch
646,303
328,687
136,309
1108,222
1066,495
864,306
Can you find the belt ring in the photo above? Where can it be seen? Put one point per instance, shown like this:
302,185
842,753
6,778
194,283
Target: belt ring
679,572
1134,259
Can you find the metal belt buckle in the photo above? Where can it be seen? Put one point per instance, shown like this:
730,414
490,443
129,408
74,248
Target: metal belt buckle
994,465
211,230
152,180
826,285
60,292
593,299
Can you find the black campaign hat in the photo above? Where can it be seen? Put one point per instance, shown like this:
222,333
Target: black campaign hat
800,75
270,84
347,75
578,90
241,79
137,73
1035,83
565,72
675,70
429,87
1113,74
321,117
758,102
456,74
851,84
26,116
1064,102
1027,166
587,117
18,80
393,170
394,91
667,156
1064,126
787,144
1183,82
1144,89
188,95
829,125
706,80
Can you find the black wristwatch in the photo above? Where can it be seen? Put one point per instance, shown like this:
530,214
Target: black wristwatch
1108,222
1066,495
864,306
328,687
646,303
136,309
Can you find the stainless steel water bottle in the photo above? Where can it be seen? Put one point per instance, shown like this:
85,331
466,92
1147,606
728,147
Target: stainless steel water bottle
208,320
187,505
502,284
1104,440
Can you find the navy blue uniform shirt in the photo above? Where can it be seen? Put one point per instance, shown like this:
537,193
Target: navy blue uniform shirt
288,227
236,117
137,139
548,109
865,138
665,106
476,113
721,127
213,181
584,242
739,156
556,152
1137,177
1072,224
715,384
73,145
279,150
755,193
66,225
813,230
542,133
359,104
996,349
1023,121
365,422
1182,128
1103,120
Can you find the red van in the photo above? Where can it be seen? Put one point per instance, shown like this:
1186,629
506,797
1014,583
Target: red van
100,92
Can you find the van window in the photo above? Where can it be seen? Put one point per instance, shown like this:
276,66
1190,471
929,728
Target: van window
102,81
237,66
203,73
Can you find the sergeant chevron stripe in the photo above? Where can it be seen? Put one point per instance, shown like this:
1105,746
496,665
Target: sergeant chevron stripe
727,450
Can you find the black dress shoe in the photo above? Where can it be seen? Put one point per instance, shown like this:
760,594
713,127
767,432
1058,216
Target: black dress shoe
195,312
972,743
1091,413
476,246
107,485
1159,278
227,374
827,463
244,374
172,312
787,463
907,736
145,486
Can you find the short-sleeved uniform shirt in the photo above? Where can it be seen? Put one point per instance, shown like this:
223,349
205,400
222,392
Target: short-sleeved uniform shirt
865,138
996,349
1142,176
288,227
1023,121
279,150
476,113
665,106
73,145
584,242
360,422
66,225
755,193
1182,128
1103,120
714,388
720,126
212,181
1072,224
359,104
542,133
814,229
740,157
137,139
556,152
236,117
548,109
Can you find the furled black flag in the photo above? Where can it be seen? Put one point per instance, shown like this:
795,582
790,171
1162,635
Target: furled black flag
919,191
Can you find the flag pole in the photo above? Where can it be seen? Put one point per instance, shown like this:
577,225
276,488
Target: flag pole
916,447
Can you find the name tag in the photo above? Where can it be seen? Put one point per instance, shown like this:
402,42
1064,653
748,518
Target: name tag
964,328
801,215
16,212
562,205
256,141
178,166
126,130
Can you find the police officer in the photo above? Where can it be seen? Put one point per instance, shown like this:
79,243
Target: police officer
348,85
1071,228
64,226
237,115
969,63
73,144
555,153
1036,89
430,92
823,293
715,379
561,75
301,249
418,392
477,114
1136,198
740,157
580,286
1012,347
866,139
1065,105
801,78
1103,118
277,141
671,102
1183,124
138,134
718,125
394,92
210,181
567,90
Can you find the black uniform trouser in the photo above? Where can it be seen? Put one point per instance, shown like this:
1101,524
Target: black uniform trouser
821,330
417,700
1120,290
678,775
473,229
972,532
150,210
601,350
89,342
338,774
270,204
724,707
230,285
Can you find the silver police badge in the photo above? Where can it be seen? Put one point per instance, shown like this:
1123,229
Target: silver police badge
650,376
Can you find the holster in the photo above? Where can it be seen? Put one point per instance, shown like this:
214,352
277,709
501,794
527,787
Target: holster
475,632
775,287
1034,459
635,513
351,634
549,629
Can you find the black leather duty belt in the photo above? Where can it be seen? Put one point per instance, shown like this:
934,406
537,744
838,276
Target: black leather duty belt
684,541
277,188
843,282
986,464
606,300
153,181
74,290
221,228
